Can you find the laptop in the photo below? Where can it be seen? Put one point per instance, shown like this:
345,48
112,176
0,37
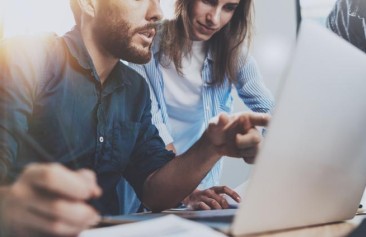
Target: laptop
311,169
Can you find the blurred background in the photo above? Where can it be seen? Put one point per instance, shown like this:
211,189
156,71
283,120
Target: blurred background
33,16
276,24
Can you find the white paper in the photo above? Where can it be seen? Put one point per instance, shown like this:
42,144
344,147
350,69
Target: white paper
166,226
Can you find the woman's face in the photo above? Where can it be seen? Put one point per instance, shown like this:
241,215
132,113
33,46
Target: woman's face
209,16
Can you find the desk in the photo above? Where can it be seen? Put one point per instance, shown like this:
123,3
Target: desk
329,230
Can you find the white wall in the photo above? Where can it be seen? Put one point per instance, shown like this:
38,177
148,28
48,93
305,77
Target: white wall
34,16
274,39
275,34
168,8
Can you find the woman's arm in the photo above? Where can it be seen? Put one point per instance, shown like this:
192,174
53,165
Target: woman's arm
250,87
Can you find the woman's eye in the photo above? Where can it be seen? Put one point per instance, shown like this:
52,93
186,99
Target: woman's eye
230,7
209,2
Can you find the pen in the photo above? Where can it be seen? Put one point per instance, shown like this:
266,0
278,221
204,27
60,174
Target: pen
44,156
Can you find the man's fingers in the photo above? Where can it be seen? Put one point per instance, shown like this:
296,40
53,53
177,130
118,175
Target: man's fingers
58,180
248,145
228,191
218,124
206,204
223,120
41,198
200,206
87,175
214,199
259,119
33,222
249,140
249,152
212,203
240,123
70,212
250,120
91,178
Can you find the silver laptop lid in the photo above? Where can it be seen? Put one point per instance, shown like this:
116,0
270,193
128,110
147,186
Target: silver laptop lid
312,168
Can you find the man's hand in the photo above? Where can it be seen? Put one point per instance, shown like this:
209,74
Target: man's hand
237,135
212,198
49,199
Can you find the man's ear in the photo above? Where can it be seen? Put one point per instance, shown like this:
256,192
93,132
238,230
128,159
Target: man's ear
88,7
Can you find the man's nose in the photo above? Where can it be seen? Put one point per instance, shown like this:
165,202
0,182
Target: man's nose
154,12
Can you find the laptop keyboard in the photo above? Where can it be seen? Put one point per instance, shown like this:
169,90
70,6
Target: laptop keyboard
218,219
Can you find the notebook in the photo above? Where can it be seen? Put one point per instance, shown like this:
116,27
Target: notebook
311,169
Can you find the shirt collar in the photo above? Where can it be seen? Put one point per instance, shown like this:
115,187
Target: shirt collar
77,49
117,78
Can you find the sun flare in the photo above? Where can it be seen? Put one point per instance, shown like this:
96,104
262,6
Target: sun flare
20,17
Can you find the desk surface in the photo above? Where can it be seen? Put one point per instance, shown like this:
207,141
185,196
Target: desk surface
329,230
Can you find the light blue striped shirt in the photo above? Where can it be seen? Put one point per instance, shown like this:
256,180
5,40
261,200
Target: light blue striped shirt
216,99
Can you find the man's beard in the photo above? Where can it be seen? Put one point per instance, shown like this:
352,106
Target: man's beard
115,37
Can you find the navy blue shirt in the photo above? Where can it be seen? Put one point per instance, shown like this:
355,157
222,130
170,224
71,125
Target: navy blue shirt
49,88
348,20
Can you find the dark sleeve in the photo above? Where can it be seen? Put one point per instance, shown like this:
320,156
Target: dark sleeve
347,19
20,65
337,20
149,154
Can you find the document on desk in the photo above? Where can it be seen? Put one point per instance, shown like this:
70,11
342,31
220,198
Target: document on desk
166,226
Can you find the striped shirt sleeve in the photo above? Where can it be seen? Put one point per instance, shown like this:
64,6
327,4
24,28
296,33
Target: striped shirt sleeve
157,118
250,87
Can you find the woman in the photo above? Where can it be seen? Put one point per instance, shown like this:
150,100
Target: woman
196,60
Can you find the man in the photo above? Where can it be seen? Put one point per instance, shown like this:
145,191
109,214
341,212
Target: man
348,20
90,111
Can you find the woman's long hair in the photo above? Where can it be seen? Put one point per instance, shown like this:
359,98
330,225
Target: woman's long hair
225,45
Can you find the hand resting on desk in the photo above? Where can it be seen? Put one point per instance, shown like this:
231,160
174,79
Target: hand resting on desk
49,199
211,198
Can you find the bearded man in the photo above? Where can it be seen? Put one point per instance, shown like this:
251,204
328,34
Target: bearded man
75,98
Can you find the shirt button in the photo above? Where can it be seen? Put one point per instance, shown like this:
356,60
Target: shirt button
101,139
